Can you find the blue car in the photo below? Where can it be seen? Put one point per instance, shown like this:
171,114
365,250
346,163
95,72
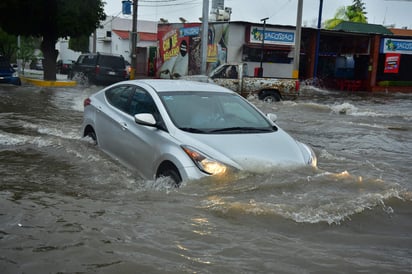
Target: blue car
7,74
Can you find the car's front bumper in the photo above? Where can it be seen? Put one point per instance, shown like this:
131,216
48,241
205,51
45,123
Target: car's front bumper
10,80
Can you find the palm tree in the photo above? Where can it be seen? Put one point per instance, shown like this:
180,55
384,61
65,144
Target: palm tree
353,13
356,12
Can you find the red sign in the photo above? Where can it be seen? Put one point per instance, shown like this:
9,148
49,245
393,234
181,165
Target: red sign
392,61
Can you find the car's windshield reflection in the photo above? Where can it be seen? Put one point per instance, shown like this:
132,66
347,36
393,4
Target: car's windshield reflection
208,112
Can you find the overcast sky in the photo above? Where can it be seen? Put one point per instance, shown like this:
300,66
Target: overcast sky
282,12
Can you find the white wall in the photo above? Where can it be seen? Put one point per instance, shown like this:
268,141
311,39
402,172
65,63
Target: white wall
64,52
115,44
237,39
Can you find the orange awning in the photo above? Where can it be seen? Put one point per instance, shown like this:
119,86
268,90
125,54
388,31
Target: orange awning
144,36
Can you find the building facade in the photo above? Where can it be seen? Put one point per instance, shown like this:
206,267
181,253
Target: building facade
353,56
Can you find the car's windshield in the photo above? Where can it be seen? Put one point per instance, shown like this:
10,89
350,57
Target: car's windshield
209,112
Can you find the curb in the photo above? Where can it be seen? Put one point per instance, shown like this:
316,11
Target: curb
44,83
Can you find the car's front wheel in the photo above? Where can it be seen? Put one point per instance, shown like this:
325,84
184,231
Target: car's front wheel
169,170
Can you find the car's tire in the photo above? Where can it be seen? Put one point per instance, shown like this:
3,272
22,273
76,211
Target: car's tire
81,78
270,96
169,170
89,132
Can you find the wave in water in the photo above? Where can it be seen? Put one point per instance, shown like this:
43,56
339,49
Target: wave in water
324,197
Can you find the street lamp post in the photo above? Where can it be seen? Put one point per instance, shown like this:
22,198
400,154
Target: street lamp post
263,46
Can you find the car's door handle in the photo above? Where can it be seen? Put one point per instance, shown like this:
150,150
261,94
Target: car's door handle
99,108
123,125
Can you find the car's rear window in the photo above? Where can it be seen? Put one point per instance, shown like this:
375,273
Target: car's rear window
88,60
111,61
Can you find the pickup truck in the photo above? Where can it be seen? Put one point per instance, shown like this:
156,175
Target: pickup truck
234,76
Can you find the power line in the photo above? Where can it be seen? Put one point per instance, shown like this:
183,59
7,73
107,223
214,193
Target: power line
167,3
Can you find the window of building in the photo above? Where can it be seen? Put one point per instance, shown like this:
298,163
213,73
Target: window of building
253,54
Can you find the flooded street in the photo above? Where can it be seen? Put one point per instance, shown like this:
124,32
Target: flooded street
66,207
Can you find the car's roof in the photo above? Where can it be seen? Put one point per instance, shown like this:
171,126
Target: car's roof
102,54
165,85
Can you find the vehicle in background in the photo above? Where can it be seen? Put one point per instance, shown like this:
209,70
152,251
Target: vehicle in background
64,66
8,74
234,76
187,130
36,63
99,68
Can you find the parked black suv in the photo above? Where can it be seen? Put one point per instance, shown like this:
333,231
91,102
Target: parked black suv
99,68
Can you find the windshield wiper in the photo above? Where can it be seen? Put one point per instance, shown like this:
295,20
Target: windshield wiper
243,129
193,130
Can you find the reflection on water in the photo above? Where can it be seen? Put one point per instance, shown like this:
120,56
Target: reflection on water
67,207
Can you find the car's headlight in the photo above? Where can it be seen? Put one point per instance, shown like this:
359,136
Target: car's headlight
205,163
311,160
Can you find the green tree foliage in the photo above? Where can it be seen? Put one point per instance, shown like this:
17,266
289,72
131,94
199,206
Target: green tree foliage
79,43
8,44
51,20
26,50
353,13
339,17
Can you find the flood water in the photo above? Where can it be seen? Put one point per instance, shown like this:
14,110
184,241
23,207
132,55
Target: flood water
66,207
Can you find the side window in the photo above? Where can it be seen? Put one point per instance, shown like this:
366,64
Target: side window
119,97
81,58
221,73
142,102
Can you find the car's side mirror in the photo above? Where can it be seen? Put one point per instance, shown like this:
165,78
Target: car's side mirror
273,117
146,119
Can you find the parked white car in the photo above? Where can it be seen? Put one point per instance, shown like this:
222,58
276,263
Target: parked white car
187,130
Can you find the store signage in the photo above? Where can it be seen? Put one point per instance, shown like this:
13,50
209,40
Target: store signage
272,36
392,61
192,31
390,45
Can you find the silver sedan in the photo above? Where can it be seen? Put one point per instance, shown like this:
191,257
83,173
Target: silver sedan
187,130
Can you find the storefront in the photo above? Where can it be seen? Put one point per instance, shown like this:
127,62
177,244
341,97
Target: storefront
395,63
275,52
353,57
179,48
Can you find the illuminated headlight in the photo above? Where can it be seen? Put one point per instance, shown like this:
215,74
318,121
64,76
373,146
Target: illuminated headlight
311,160
205,163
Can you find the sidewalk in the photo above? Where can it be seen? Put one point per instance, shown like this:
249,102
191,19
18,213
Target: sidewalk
35,77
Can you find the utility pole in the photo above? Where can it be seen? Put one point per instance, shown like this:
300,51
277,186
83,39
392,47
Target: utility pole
205,29
133,56
315,69
260,74
296,59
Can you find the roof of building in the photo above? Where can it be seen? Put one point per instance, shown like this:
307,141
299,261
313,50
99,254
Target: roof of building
144,36
362,28
402,32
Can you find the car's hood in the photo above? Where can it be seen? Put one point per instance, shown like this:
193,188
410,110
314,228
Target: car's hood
251,152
